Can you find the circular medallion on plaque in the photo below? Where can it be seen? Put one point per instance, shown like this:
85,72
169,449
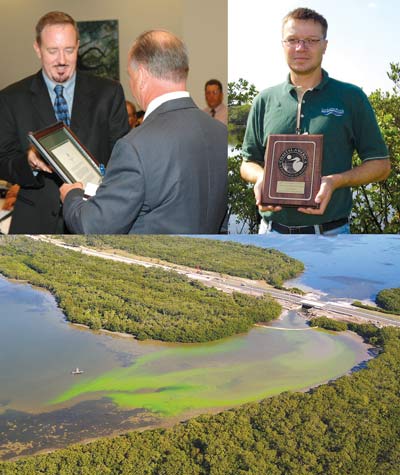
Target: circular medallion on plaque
293,162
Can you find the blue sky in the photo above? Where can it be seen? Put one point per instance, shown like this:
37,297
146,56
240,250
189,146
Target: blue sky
363,39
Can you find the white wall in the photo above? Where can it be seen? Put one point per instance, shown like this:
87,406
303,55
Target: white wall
205,31
201,24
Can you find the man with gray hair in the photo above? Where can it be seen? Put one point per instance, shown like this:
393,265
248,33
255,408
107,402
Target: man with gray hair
168,176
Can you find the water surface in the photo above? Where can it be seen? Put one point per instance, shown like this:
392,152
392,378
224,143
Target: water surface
343,267
129,384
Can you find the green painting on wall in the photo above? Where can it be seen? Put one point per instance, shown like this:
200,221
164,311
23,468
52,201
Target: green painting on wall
98,49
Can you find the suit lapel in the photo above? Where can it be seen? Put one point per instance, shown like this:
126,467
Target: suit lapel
42,106
83,98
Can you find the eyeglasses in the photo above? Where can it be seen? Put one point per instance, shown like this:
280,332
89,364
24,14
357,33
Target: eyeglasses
307,42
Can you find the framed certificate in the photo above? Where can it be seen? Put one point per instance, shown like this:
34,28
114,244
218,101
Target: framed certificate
61,149
292,173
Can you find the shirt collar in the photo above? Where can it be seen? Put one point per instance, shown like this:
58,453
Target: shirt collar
164,98
325,78
68,85
219,106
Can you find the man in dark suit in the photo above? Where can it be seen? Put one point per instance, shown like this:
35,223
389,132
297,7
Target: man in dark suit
169,175
93,107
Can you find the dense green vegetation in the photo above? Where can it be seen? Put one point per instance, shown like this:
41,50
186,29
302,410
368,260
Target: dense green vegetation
377,206
359,304
349,426
230,258
240,97
328,324
293,290
146,302
237,122
389,299
241,201
368,331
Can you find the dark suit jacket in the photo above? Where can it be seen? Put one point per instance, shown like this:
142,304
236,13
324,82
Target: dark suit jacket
167,176
98,118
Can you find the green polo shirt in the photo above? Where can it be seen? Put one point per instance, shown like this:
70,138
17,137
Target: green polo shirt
338,110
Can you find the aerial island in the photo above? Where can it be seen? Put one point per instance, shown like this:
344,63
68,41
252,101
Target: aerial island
351,425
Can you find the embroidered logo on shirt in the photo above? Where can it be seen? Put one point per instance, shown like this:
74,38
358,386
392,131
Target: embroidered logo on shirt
332,111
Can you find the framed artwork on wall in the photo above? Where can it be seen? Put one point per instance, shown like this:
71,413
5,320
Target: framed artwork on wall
99,48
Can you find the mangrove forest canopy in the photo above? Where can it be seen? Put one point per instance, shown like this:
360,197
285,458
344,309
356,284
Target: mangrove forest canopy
145,302
389,299
349,426
252,262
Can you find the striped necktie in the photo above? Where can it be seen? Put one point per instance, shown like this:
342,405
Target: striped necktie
61,106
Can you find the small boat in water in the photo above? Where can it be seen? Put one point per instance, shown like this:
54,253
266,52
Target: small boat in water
77,371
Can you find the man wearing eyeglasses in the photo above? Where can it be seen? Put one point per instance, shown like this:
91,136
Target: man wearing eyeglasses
310,102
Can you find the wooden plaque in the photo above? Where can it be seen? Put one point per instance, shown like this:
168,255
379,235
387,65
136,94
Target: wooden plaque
68,157
292,172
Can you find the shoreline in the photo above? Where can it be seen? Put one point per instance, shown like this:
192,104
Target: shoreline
157,425
170,422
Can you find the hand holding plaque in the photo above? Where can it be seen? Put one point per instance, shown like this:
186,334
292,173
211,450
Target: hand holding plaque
61,149
292,172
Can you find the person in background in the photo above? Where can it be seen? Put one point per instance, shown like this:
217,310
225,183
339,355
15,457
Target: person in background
139,118
168,176
93,107
131,110
339,111
214,97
